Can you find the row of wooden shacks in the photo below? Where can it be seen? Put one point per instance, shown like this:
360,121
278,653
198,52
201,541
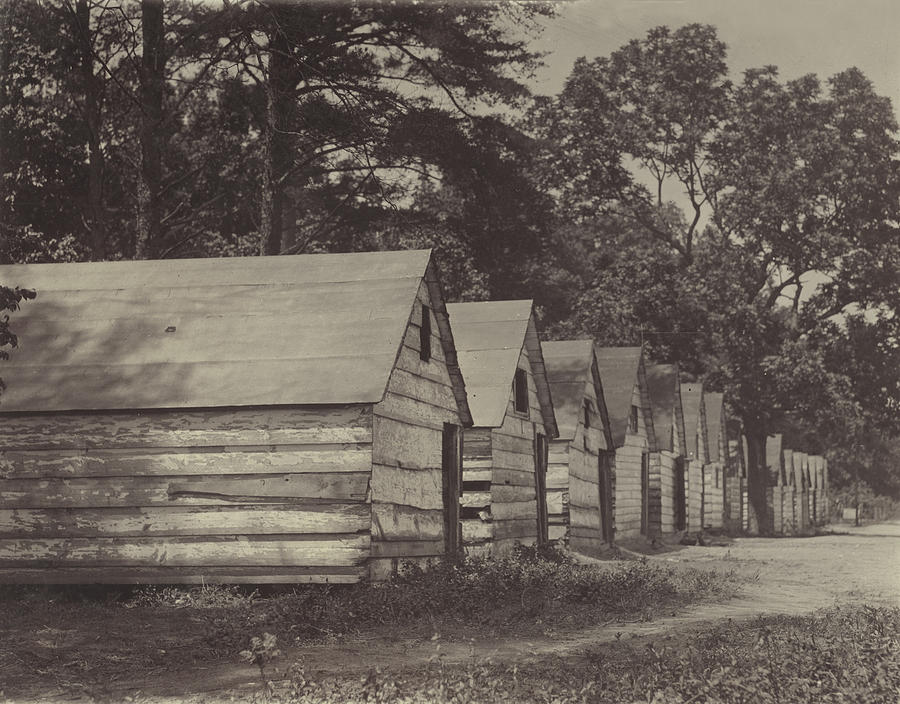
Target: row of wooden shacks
326,417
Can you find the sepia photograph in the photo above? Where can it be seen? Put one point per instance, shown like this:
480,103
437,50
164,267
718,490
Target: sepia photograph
449,351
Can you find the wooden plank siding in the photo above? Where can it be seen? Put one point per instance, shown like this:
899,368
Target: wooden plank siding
275,494
628,492
407,461
573,475
734,481
662,491
502,510
713,495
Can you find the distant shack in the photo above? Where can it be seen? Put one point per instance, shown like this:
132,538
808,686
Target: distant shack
667,465
697,451
580,471
505,453
631,422
265,419
714,474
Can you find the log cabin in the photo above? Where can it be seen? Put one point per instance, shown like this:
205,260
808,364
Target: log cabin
789,516
579,472
697,455
504,499
714,471
266,419
736,478
624,381
751,524
668,482
778,491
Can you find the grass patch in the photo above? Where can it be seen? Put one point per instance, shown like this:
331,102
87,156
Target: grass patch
849,654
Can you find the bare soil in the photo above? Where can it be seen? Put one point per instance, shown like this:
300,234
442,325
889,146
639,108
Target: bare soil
790,576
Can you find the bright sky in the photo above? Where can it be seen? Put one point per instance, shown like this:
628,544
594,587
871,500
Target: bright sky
799,36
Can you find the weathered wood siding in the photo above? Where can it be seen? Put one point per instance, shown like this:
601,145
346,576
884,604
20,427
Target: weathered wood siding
558,491
662,492
407,459
573,484
499,495
249,495
628,474
734,481
713,495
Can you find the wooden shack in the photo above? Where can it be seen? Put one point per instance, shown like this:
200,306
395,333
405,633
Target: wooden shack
631,422
579,473
714,470
789,517
735,478
265,419
505,454
779,492
697,451
668,482
820,500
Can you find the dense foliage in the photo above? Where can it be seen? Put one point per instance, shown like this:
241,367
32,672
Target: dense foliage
746,229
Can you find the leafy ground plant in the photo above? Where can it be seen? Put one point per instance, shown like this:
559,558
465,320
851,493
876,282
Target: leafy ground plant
848,654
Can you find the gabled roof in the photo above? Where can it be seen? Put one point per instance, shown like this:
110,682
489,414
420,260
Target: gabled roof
619,367
665,398
691,402
774,454
715,424
198,333
571,366
490,336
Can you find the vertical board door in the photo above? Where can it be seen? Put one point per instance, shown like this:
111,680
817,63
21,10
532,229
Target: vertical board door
452,487
680,509
645,492
605,486
541,456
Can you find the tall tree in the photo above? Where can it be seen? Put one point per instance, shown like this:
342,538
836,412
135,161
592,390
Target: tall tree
791,197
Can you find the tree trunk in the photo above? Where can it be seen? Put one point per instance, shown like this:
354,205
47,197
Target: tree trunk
757,478
92,89
153,63
277,154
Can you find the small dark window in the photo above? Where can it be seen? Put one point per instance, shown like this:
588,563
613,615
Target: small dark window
425,335
587,415
520,389
633,420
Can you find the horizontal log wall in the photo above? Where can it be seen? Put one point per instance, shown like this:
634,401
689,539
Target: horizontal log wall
628,476
253,495
407,454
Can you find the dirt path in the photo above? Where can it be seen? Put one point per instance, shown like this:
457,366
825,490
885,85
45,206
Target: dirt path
784,576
